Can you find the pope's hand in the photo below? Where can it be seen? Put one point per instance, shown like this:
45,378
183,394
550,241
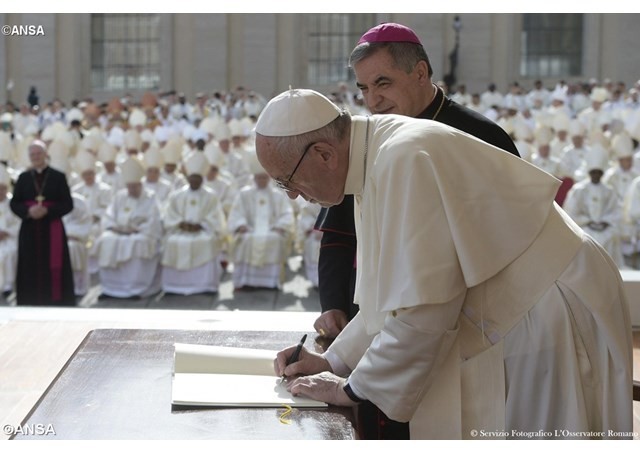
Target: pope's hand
308,363
325,387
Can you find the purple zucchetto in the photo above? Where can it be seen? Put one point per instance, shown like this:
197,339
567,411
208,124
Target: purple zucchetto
390,32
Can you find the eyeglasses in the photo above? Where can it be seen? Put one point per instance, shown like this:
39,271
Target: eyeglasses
284,185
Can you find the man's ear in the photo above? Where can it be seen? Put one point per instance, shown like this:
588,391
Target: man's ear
422,71
327,154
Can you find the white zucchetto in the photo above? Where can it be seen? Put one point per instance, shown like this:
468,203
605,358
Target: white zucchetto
296,112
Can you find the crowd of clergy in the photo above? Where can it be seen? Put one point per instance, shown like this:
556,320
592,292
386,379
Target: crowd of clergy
585,134
166,196
168,193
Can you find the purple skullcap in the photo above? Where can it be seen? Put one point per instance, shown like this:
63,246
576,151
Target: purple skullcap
390,32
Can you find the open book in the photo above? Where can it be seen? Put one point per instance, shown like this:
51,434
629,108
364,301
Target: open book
229,377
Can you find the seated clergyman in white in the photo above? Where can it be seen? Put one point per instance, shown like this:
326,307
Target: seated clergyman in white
77,225
222,183
261,221
195,228
9,227
172,157
228,160
308,238
594,205
620,178
152,182
111,174
129,247
97,195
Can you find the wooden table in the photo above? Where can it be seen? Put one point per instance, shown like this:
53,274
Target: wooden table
117,385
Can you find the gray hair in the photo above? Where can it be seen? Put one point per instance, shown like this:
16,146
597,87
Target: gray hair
336,130
38,144
406,55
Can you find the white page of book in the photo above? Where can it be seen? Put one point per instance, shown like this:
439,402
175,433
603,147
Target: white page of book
198,358
229,377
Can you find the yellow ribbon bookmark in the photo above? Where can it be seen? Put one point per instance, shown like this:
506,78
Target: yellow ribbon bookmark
283,419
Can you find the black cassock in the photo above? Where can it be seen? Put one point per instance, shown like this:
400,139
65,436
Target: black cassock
44,275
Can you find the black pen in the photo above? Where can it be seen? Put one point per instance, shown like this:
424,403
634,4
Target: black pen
294,357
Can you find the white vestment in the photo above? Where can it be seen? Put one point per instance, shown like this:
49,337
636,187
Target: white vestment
587,202
190,259
225,190
491,98
113,180
161,190
558,147
77,225
593,121
22,123
129,263
437,231
631,216
461,98
309,239
175,179
259,254
572,163
538,94
620,181
9,223
231,162
549,164
525,149
243,173
98,197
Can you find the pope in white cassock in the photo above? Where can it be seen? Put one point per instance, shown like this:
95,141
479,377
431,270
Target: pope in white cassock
9,228
195,228
129,247
261,221
455,334
77,225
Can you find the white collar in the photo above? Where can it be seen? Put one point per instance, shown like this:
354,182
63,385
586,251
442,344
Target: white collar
354,183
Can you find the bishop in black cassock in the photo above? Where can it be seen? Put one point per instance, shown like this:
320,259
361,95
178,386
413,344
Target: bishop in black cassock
41,198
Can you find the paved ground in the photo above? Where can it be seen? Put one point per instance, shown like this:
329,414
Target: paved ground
297,294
